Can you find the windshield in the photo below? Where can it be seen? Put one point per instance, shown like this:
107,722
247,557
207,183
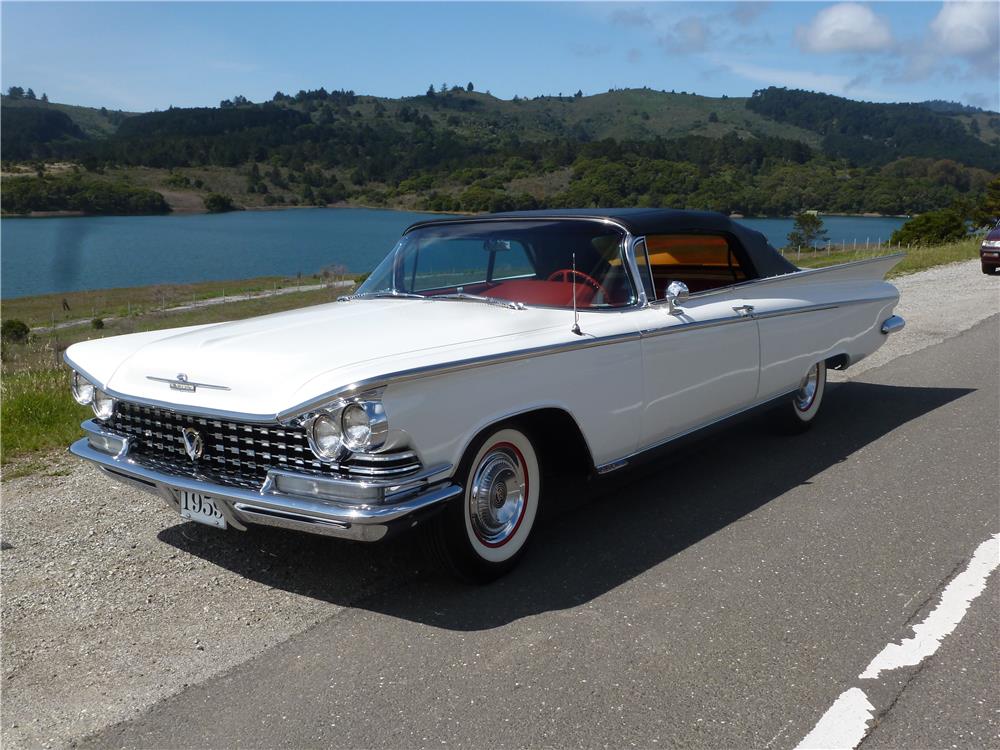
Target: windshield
526,261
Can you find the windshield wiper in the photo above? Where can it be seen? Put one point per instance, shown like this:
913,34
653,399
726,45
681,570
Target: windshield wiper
381,294
478,298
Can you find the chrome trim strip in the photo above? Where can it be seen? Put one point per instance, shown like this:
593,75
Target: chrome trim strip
693,326
791,276
893,324
449,367
174,381
619,463
490,359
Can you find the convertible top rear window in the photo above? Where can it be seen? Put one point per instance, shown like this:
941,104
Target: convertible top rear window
542,263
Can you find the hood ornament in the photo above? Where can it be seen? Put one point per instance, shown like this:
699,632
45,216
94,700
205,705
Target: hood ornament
181,383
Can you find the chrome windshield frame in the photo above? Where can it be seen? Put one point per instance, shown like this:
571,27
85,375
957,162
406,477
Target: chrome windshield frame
628,253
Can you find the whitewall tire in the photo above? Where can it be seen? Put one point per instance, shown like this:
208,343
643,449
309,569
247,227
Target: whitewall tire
483,533
806,401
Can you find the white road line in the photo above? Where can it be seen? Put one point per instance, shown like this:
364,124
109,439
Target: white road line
845,723
955,601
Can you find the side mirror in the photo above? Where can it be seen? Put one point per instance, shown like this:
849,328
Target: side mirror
677,291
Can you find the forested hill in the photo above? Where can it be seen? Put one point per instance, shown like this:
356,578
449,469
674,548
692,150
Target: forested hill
863,132
458,149
867,133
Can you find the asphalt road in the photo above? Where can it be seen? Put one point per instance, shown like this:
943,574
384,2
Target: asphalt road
722,598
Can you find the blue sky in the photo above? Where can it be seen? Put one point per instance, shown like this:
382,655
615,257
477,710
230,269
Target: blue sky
142,56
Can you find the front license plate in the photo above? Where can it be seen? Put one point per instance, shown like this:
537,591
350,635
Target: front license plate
200,508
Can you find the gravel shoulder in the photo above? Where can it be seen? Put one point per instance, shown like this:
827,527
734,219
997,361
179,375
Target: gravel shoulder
98,618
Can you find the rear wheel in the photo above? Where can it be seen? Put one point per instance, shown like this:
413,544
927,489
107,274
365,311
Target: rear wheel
806,401
483,533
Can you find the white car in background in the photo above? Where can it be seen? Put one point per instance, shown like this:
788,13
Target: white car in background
479,354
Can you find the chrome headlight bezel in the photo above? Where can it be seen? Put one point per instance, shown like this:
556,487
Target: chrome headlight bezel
316,421
377,424
991,244
82,389
373,438
103,404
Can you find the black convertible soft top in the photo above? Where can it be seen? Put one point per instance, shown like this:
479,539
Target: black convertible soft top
641,221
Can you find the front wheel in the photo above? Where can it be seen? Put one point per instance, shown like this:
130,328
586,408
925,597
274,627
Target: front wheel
806,401
483,533
988,269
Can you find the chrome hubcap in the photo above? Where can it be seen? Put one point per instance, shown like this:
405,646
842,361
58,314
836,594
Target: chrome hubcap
807,389
498,495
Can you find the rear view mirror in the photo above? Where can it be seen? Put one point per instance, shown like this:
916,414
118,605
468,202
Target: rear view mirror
677,291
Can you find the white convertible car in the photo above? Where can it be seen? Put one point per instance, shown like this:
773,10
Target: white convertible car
479,354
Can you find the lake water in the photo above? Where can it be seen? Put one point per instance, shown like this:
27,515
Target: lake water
41,256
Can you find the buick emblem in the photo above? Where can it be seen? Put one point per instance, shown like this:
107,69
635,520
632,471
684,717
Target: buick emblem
194,445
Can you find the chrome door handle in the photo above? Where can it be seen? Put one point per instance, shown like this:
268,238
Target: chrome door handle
744,309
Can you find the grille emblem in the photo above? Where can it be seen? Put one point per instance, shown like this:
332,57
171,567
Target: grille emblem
181,383
194,445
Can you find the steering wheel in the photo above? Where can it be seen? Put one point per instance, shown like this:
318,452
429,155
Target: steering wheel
565,274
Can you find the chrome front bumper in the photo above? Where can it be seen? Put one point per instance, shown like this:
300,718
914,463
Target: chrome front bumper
365,511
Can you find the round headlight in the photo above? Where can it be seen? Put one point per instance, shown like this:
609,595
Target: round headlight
83,389
324,437
356,426
103,405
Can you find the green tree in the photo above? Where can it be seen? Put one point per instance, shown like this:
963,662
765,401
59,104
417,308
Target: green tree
45,97
807,230
469,87
932,228
987,212
216,203
30,94
15,92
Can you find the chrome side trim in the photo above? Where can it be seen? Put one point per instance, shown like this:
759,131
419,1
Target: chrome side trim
448,367
802,273
893,324
693,326
619,463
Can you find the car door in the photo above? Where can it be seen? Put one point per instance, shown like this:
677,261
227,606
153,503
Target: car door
701,357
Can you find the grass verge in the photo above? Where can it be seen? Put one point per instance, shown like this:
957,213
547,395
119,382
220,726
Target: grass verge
917,258
38,414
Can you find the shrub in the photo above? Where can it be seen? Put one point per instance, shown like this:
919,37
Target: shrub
933,227
97,323
215,203
14,331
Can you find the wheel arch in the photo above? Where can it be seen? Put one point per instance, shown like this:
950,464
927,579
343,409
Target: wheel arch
554,433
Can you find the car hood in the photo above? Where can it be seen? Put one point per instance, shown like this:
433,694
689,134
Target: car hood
264,366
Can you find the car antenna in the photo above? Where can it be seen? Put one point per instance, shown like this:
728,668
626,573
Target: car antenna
576,313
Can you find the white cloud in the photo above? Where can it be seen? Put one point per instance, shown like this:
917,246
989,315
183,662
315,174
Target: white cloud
845,27
687,35
966,28
832,83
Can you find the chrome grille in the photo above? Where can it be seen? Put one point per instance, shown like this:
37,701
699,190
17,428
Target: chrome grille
238,453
